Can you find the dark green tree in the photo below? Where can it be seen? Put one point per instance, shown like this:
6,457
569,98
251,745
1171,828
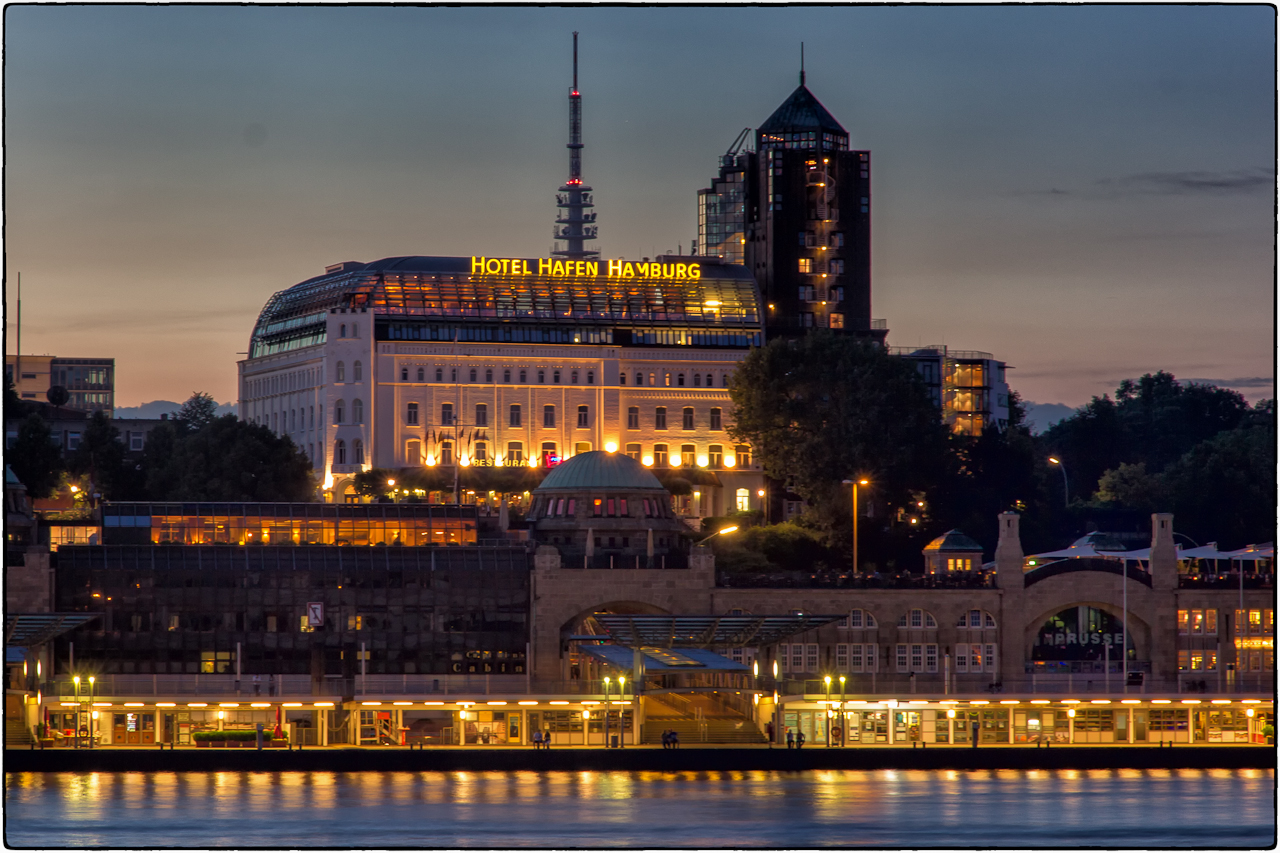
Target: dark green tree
373,483
823,408
34,457
198,412
102,458
232,460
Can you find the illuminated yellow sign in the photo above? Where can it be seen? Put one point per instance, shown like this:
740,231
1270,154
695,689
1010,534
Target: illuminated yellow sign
585,269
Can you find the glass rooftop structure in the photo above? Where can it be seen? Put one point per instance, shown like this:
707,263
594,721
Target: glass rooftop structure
705,632
654,303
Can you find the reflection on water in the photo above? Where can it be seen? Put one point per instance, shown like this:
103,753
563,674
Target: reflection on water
893,808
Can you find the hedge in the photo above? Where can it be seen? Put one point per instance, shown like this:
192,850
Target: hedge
232,735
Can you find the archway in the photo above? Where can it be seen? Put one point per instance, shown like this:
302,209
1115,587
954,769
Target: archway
1086,637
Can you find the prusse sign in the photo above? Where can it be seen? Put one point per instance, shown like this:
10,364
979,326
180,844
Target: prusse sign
584,269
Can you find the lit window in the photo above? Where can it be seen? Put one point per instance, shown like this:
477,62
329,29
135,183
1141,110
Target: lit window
806,265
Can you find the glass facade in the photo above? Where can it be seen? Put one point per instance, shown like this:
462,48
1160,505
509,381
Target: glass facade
288,524
176,609
722,213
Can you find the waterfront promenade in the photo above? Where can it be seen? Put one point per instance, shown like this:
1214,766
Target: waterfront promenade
690,758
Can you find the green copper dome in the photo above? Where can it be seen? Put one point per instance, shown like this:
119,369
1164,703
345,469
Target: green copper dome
599,470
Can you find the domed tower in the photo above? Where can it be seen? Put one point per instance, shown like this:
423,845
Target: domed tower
607,509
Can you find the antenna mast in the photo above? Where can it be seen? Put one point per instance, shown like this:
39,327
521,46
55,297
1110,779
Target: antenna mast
801,63
575,223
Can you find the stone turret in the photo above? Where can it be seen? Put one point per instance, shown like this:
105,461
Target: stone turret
1164,553
1009,554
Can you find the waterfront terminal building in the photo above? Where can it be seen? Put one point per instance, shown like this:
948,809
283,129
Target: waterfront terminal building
386,624
417,363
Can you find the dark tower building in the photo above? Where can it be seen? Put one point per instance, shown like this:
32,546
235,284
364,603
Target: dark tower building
797,212
575,223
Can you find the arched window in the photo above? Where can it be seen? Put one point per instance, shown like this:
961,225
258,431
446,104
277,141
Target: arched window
357,449
404,374
340,452
453,374
473,374
339,411
542,377
639,378
976,619
342,330
357,412
591,377
413,452
488,375
917,618
524,377
313,418
422,375
341,372
724,380
411,414
858,620
680,379
710,381
356,372
573,378
439,374
506,377
697,380
555,377
355,330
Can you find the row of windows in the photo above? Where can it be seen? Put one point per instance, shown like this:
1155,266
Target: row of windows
917,618
660,456
600,507
340,372
413,412
809,240
797,658
835,266
283,383
1261,621
281,422
688,456
681,380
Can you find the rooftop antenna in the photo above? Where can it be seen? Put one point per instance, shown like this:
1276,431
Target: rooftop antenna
801,63
575,222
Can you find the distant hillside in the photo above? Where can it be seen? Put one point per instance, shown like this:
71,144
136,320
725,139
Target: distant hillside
1041,416
156,408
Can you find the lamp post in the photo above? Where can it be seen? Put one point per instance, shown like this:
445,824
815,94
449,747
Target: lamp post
75,680
1066,500
826,682
855,483
391,485
622,731
844,716
606,712
93,716
586,726
721,532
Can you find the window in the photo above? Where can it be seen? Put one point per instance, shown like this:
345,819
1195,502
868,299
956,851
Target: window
439,374
742,500
342,333
542,377
697,380
743,456
422,375
688,456
803,238
591,377
413,452
313,416
355,330
446,414
482,452
135,440
573,378
524,376
806,265
446,453
660,417
488,375
660,456
622,377
715,414
715,456
837,320
506,377
357,448
482,414
340,452
633,417
411,414
931,657
806,319
807,293
581,447
548,417
404,374
515,449
811,657
680,379
639,378
514,419
584,419
339,412
549,455
453,374
341,372
357,371
837,266
902,657
555,377
837,293
686,419
473,375
633,450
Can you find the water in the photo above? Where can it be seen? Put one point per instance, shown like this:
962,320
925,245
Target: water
1017,808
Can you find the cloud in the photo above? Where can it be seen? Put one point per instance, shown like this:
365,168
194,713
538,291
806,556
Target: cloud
1242,382
1190,182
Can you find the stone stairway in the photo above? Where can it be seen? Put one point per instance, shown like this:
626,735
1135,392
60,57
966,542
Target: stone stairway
728,730
18,736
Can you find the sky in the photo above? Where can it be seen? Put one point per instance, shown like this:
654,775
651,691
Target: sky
1087,192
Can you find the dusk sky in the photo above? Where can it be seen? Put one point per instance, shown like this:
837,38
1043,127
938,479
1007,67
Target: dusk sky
1086,192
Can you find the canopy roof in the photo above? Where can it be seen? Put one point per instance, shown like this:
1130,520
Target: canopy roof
705,632
1092,545
32,629
953,540
597,469
665,660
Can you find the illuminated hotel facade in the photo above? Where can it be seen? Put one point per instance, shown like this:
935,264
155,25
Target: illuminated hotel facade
436,362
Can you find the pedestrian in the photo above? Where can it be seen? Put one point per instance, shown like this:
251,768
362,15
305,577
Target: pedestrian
799,740
537,740
974,729
546,739
675,739
257,685
791,739
666,738
768,728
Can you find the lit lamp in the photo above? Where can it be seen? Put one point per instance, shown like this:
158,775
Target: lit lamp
730,461
855,483
611,447
647,461
431,461
464,460
1053,460
703,461
951,725
1071,725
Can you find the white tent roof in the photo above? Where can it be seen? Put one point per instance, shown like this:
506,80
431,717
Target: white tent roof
1265,551
1085,546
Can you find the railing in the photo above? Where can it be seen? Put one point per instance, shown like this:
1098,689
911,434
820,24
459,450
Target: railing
288,686
795,579
1227,581
1066,684
621,561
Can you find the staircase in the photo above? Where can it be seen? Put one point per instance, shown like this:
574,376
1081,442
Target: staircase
18,736
726,730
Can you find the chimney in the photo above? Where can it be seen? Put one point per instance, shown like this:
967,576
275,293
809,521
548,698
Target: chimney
1164,553
1009,553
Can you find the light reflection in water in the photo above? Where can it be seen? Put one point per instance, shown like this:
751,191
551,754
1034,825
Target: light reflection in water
1126,808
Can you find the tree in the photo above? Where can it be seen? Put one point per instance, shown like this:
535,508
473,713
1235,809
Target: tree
230,460
34,457
823,408
101,457
373,483
198,412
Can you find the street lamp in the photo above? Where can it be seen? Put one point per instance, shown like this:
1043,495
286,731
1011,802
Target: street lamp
721,532
1066,500
855,483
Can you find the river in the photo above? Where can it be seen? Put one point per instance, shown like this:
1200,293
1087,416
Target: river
885,808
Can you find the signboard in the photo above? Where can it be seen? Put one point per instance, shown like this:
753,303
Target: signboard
315,614
574,269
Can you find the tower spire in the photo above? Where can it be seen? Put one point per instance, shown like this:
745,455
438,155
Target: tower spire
575,222
801,61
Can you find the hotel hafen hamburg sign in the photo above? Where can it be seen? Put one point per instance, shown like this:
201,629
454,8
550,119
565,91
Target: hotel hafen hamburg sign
557,268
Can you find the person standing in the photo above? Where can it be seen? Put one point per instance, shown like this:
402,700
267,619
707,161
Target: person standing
768,729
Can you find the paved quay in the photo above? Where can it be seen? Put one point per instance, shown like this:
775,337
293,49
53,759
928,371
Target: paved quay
689,758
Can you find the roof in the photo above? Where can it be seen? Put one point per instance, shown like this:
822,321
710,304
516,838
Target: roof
801,111
666,632
599,470
32,629
664,660
953,540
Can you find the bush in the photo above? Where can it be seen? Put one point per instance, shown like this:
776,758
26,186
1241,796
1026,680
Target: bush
232,735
